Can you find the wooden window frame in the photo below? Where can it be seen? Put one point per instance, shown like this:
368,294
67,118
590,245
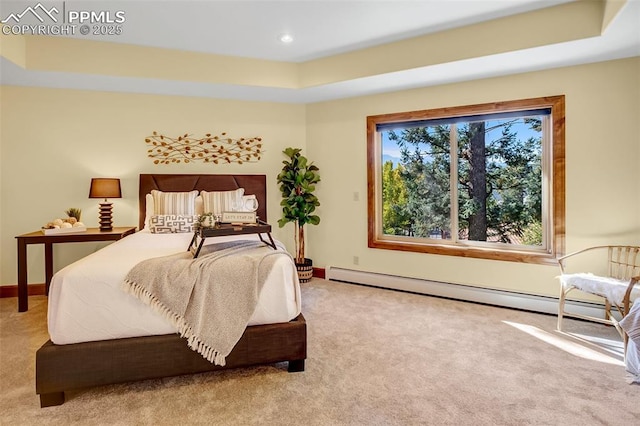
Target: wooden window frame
556,247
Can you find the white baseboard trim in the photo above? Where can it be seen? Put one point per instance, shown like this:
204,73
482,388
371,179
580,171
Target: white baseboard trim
529,302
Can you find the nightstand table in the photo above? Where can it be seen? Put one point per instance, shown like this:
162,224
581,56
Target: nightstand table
37,237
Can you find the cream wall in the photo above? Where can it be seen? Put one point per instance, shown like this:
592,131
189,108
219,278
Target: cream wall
54,141
602,169
1,197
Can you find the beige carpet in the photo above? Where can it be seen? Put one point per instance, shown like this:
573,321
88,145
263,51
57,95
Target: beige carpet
375,357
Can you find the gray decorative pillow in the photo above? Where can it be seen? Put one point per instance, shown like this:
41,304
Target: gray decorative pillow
172,223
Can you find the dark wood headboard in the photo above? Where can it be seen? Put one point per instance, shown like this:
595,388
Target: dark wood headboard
252,184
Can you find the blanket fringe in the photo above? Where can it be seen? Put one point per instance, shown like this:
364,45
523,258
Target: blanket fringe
185,331
206,351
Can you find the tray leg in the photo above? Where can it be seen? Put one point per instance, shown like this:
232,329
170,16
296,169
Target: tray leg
270,243
199,248
193,242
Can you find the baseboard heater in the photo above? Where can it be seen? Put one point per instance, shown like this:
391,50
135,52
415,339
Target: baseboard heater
509,299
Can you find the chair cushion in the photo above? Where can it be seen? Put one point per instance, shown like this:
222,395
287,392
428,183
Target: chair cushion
609,288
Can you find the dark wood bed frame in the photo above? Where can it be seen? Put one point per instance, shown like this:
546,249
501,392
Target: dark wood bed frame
61,368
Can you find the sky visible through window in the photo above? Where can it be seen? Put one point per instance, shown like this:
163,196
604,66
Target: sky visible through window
391,150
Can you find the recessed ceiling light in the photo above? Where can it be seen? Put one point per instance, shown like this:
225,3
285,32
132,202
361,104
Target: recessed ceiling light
286,38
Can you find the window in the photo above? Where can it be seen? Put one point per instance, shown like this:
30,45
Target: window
482,181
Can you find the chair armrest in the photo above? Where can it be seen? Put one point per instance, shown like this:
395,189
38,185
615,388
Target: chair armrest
627,295
566,256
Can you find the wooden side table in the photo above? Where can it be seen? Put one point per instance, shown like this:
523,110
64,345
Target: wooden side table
37,237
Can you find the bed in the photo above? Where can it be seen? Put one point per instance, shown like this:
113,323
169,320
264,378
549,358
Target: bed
94,355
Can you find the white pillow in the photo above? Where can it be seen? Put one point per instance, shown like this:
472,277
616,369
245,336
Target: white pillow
217,202
199,205
174,203
149,209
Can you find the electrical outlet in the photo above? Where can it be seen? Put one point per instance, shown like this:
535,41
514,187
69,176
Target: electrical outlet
356,260
356,196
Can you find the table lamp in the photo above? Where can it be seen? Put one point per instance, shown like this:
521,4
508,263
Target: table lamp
105,188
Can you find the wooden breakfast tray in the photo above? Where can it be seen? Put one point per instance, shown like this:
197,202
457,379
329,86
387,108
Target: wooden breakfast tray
202,233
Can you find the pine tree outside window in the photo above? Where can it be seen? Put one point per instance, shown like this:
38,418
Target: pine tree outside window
482,181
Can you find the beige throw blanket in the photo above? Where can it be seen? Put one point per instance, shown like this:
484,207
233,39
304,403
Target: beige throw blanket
210,299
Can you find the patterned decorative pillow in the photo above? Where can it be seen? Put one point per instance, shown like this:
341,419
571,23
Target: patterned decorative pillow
172,203
217,202
172,223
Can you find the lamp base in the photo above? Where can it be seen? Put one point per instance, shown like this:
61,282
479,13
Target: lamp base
105,216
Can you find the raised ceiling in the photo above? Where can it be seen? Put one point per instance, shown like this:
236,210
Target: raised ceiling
231,49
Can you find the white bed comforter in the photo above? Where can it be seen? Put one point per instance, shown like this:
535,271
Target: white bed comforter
86,302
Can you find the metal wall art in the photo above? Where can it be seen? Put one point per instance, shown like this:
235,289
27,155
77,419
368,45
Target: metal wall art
208,149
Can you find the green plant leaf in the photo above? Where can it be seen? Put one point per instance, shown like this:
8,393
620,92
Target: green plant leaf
297,181
302,162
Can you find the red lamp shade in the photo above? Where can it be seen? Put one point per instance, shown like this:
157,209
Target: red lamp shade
105,188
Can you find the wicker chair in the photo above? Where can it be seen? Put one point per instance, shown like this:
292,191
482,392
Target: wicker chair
619,287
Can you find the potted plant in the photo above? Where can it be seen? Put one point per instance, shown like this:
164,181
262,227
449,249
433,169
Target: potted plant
74,212
297,183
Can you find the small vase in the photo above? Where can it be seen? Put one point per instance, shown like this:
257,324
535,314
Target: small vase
208,221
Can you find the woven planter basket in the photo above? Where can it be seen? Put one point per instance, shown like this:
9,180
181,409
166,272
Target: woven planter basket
305,270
